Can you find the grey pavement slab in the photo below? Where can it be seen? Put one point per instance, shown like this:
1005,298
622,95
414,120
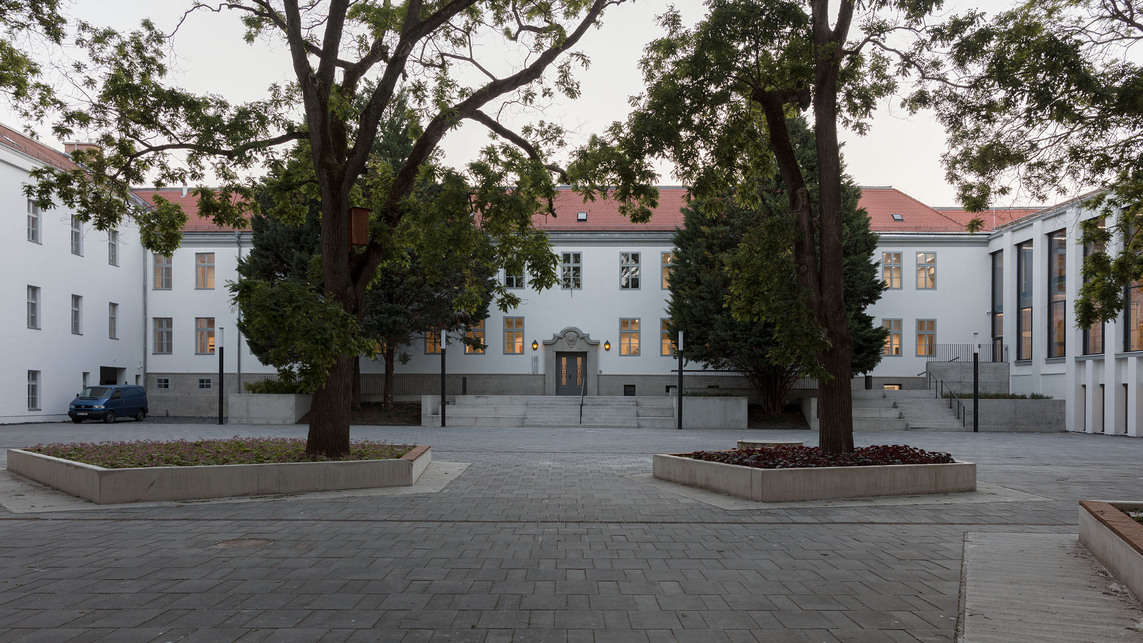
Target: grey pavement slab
539,534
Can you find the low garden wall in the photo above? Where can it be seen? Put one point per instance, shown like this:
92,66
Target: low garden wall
148,484
823,483
263,408
1114,539
1017,414
714,412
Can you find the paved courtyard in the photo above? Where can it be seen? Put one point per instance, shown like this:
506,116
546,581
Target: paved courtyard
562,535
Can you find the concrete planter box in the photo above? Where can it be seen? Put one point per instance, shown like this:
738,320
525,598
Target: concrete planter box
258,408
1017,414
701,412
782,485
149,484
1114,539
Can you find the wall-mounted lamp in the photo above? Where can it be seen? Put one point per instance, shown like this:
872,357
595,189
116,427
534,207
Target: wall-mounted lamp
535,345
606,346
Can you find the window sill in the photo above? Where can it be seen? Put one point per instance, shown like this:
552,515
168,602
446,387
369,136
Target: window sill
1055,360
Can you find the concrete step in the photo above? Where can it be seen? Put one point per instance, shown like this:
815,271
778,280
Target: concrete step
888,412
655,412
879,424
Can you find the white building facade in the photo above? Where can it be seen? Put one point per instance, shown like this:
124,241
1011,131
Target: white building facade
115,312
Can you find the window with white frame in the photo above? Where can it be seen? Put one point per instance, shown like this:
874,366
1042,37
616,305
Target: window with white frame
33,222
113,247
666,264
162,382
629,336
34,307
891,270
926,271
204,335
514,335
629,270
926,337
162,278
164,335
204,271
76,236
571,270
33,390
475,336
893,339
76,315
513,280
113,321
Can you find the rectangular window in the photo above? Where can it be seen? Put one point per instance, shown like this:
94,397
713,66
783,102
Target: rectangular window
33,222
205,383
33,390
164,335
76,315
570,271
204,335
432,342
162,276
629,336
162,383
33,307
113,321
998,306
204,271
926,337
113,247
1057,304
1093,335
1133,317
76,236
513,281
891,270
666,264
893,339
514,335
629,270
926,270
668,346
475,335
1024,256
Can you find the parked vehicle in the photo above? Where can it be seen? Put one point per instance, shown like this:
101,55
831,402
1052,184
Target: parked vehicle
108,402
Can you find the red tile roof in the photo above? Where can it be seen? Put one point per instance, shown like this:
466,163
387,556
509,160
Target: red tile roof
189,203
891,210
993,218
603,215
12,139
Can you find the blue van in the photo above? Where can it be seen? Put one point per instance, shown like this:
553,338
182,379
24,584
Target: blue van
108,402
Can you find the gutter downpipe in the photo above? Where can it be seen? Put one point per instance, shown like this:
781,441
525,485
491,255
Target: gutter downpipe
237,329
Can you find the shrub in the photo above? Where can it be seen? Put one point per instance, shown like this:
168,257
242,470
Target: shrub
274,387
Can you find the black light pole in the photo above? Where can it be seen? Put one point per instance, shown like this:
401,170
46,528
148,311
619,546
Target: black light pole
221,382
975,384
443,338
679,388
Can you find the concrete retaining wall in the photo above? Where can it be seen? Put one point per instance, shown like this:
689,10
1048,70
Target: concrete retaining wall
268,408
779,485
1114,539
149,484
714,412
958,376
1018,415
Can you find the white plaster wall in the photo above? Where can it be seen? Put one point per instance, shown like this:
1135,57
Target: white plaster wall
959,303
60,356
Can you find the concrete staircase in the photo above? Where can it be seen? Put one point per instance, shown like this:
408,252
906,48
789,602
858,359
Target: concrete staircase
560,410
914,410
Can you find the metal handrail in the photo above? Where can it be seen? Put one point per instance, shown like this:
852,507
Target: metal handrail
582,391
939,391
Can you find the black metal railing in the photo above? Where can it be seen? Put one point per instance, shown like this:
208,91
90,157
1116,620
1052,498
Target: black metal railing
940,390
963,353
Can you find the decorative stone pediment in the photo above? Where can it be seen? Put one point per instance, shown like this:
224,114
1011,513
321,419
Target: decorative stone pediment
571,339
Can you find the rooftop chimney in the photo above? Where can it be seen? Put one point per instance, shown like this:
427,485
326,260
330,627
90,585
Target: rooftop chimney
79,147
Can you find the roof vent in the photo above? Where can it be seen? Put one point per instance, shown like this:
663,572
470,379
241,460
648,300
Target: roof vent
581,216
898,217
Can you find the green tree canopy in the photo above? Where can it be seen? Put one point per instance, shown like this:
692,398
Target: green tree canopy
23,22
1048,97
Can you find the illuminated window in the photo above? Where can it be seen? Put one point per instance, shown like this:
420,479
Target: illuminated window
514,335
629,336
667,344
204,335
1024,253
893,339
926,337
926,270
891,269
475,333
204,271
667,260
432,342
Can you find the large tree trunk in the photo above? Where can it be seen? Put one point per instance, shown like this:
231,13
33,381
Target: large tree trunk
330,413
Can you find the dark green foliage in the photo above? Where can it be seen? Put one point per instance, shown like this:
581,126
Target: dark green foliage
1048,97
21,22
734,294
274,387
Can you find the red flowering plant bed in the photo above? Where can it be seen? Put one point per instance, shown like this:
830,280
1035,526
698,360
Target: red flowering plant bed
798,457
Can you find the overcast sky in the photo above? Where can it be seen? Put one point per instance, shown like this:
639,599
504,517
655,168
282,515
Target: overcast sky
901,150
